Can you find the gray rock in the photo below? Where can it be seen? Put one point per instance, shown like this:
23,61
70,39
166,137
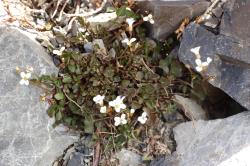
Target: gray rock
128,158
235,20
230,67
191,108
76,159
212,22
109,21
222,142
27,137
88,47
168,14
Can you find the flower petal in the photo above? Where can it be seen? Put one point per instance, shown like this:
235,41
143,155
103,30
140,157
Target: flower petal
198,62
22,82
112,104
130,21
26,82
198,68
123,106
145,18
204,64
132,111
152,21
125,41
22,74
144,114
123,116
28,75
117,123
117,109
140,119
195,50
131,41
103,109
124,121
117,118
209,60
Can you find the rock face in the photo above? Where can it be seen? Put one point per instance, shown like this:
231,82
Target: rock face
168,14
222,142
128,158
229,50
27,137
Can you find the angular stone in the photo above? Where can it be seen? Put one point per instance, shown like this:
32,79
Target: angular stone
76,159
230,67
235,21
109,21
27,137
191,108
128,158
168,14
222,142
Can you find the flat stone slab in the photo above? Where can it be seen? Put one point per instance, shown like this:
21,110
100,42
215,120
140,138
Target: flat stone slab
222,142
27,137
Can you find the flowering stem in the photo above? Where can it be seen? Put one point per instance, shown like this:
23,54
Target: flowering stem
73,101
147,66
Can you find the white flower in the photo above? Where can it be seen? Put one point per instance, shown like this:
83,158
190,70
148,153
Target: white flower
127,8
120,120
128,41
25,78
132,111
196,50
103,109
201,65
17,69
59,52
29,69
149,18
143,118
130,22
118,103
99,99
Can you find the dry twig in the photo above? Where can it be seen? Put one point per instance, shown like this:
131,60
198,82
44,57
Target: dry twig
89,13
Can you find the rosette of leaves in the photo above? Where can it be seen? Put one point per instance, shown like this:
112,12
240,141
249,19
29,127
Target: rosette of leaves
84,76
139,73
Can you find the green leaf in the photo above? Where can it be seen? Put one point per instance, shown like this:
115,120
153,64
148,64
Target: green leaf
88,125
123,11
52,110
164,65
125,83
59,96
176,69
139,76
72,68
68,120
58,116
67,79
109,72
150,104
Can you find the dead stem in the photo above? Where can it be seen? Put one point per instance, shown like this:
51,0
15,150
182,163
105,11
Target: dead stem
97,154
61,12
89,13
73,101
57,5
147,66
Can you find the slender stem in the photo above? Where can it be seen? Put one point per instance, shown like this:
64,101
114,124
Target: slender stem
89,13
147,66
73,101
